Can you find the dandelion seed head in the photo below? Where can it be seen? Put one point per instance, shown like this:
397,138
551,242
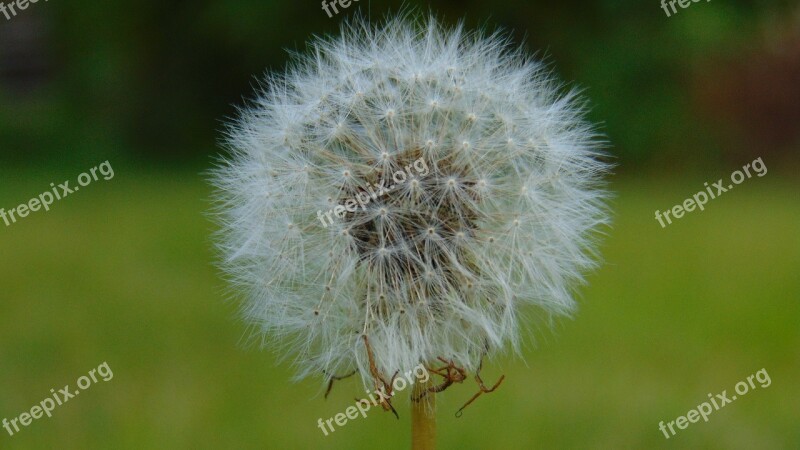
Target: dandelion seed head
503,217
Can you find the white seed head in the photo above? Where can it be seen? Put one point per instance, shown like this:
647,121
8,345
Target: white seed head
501,217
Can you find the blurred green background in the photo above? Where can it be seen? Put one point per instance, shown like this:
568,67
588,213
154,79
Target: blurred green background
123,270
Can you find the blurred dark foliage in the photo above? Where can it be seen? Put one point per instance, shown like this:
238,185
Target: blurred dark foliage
154,81
758,95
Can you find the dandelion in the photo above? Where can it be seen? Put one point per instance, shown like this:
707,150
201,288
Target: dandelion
438,269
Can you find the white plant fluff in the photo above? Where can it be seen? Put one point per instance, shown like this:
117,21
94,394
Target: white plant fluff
441,265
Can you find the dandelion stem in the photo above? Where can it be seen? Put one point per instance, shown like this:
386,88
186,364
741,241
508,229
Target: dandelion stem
423,418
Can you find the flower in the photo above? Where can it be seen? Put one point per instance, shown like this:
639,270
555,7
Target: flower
443,264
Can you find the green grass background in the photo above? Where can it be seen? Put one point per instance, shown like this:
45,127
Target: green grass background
123,272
